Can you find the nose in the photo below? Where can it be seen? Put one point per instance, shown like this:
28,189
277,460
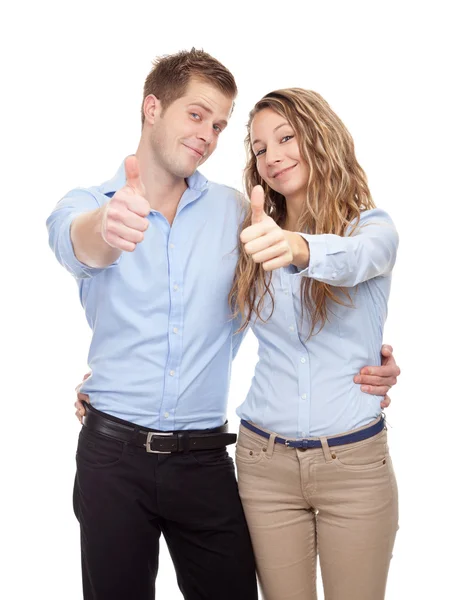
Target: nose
206,133
272,155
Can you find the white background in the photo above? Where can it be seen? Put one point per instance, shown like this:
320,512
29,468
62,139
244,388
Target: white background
399,76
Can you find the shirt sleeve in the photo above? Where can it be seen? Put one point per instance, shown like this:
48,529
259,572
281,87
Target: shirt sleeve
59,223
347,261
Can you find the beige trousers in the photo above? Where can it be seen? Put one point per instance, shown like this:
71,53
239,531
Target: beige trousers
339,502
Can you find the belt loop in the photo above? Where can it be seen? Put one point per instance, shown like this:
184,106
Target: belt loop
271,445
183,441
326,451
133,441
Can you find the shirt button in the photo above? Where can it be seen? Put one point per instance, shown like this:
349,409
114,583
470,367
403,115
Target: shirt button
172,373
334,275
303,359
175,330
175,287
171,246
303,396
291,328
286,292
166,415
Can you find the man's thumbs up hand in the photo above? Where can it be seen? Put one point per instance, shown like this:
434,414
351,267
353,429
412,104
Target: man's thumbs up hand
124,218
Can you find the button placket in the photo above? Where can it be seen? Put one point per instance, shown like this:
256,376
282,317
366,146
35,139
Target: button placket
171,384
304,387
289,309
303,369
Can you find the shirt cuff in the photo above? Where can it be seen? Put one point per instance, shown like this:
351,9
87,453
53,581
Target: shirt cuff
323,265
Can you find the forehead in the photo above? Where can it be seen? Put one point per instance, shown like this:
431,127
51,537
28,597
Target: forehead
213,99
264,122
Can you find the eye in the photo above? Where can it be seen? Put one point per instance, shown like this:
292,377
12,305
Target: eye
286,138
195,116
217,129
260,152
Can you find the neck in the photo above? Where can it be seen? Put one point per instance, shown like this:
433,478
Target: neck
163,189
294,208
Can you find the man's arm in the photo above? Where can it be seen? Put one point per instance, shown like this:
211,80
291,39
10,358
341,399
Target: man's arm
81,398
100,237
75,203
89,245
86,241
377,380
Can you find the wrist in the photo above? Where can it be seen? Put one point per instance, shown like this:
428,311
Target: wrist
300,249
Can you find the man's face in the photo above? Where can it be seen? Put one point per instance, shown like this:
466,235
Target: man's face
186,133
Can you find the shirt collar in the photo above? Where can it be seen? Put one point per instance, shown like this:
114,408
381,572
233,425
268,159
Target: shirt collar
197,182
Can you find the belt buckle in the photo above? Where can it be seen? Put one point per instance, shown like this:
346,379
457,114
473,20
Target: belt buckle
149,439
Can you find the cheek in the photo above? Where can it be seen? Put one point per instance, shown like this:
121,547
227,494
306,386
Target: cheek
305,173
213,144
261,169
188,130
302,179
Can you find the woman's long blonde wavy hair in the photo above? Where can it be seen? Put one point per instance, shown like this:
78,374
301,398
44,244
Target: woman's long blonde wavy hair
337,194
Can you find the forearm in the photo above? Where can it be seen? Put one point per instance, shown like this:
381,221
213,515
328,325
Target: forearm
89,246
348,261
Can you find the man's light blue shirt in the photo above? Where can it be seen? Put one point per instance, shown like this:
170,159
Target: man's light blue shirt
304,387
162,333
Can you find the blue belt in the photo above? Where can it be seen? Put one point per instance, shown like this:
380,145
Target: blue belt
348,438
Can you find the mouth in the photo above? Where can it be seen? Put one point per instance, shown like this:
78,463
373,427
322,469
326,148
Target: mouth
278,174
195,151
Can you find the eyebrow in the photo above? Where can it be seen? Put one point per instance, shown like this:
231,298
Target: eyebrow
208,110
276,129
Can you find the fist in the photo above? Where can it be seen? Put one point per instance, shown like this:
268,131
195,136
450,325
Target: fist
264,240
124,218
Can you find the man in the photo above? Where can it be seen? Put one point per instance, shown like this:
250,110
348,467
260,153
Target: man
154,251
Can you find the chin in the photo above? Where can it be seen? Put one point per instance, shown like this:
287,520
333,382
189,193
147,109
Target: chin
284,190
185,171
190,172
290,190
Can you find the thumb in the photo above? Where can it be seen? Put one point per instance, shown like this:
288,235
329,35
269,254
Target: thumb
132,174
257,202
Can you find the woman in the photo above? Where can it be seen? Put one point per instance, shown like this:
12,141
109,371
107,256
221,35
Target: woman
313,281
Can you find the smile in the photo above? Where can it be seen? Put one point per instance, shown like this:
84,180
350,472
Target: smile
194,151
280,173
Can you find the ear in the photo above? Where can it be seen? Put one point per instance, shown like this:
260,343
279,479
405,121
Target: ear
151,108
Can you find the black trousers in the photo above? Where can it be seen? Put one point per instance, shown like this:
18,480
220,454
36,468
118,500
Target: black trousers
125,498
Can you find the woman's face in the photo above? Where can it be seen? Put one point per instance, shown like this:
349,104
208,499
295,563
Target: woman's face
276,151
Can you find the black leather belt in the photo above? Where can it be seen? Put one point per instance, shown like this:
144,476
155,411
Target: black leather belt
157,442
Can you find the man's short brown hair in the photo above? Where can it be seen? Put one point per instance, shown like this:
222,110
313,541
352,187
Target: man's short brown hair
171,74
